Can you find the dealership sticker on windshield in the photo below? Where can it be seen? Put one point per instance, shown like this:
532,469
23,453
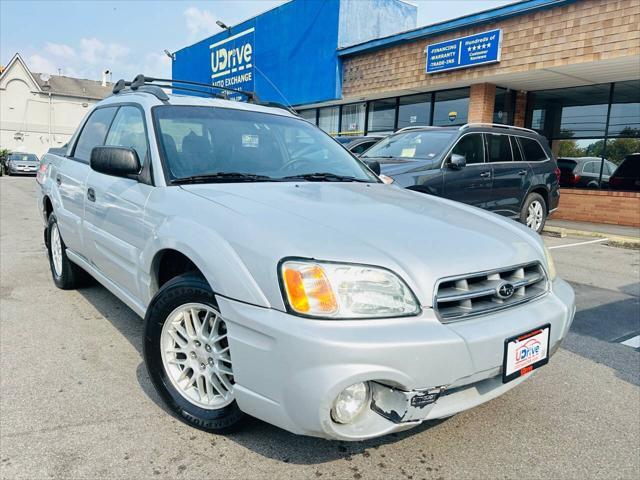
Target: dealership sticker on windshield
526,352
251,141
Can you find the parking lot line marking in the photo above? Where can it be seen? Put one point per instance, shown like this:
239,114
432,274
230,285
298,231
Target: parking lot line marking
633,342
600,240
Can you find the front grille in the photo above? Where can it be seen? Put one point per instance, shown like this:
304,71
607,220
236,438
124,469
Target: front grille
460,297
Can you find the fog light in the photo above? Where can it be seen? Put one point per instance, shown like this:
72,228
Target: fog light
350,402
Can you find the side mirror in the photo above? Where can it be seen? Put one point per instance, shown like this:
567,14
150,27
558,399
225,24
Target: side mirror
374,165
457,162
116,161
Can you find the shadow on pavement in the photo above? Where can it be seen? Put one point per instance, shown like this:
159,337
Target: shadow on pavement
602,318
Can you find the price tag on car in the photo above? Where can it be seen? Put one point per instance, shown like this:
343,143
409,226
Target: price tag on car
525,352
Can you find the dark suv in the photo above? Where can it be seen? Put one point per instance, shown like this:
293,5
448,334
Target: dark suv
507,170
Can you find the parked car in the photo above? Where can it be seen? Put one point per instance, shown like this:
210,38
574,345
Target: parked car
584,172
358,145
627,175
506,170
253,246
22,164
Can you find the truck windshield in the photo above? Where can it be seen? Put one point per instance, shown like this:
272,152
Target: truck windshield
231,145
416,145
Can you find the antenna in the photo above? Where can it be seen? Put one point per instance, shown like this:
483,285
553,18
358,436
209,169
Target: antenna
45,77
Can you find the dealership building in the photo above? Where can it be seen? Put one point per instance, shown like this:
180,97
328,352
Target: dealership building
569,69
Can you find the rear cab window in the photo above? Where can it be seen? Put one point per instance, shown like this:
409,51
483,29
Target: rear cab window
93,133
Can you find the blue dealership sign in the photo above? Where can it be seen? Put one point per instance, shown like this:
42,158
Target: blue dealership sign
232,61
478,49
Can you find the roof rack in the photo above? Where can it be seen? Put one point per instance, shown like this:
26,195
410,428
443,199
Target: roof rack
497,125
141,81
155,87
417,127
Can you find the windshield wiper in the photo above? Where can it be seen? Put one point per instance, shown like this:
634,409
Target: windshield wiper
222,177
324,177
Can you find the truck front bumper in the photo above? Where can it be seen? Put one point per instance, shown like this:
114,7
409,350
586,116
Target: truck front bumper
289,370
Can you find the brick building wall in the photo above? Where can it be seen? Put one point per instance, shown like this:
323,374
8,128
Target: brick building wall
574,33
482,99
616,208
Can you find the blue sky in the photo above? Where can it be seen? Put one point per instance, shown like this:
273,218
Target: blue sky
81,38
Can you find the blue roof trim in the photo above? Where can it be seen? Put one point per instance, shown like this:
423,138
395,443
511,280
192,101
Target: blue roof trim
493,15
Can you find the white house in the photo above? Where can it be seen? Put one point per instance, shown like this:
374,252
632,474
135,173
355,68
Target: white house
39,111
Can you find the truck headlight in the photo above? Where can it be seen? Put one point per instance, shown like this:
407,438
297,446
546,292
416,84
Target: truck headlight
335,290
551,267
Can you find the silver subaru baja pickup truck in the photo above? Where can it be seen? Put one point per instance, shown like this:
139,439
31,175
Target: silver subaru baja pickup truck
279,278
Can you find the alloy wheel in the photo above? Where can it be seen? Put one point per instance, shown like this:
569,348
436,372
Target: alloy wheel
196,356
56,250
535,214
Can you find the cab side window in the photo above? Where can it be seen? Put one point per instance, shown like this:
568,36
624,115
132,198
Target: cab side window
471,147
499,148
94,133
128,131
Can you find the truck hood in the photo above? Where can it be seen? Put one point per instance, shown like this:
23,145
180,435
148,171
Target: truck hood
420,237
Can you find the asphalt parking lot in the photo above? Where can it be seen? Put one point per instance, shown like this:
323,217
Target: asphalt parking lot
76,402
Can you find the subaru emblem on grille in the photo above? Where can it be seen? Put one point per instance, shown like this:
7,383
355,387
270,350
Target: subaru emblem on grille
505,290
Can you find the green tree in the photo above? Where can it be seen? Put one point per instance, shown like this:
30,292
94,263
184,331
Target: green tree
570,148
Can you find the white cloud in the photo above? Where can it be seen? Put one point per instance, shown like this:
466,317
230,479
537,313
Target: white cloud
39,64
157,65
94,52
88,57
60,50
200,23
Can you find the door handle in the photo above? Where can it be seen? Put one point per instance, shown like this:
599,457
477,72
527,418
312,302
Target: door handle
522,172
58,180
485,174
91,194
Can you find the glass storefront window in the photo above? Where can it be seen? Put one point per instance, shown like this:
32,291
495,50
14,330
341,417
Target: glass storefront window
624,120
382,115
353,119
579,112
504,106
575,121
328,119
414,110
309,115
581,161
451,107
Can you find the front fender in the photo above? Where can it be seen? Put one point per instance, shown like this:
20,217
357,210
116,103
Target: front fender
211,253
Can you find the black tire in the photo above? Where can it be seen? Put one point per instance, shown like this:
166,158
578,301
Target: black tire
71,275
531,199
187,288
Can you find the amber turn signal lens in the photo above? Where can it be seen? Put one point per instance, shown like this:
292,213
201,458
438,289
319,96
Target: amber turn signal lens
308,289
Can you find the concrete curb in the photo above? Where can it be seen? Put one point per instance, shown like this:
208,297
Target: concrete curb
613,240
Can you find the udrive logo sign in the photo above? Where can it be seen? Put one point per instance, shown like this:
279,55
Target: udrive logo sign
527,351
233,55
